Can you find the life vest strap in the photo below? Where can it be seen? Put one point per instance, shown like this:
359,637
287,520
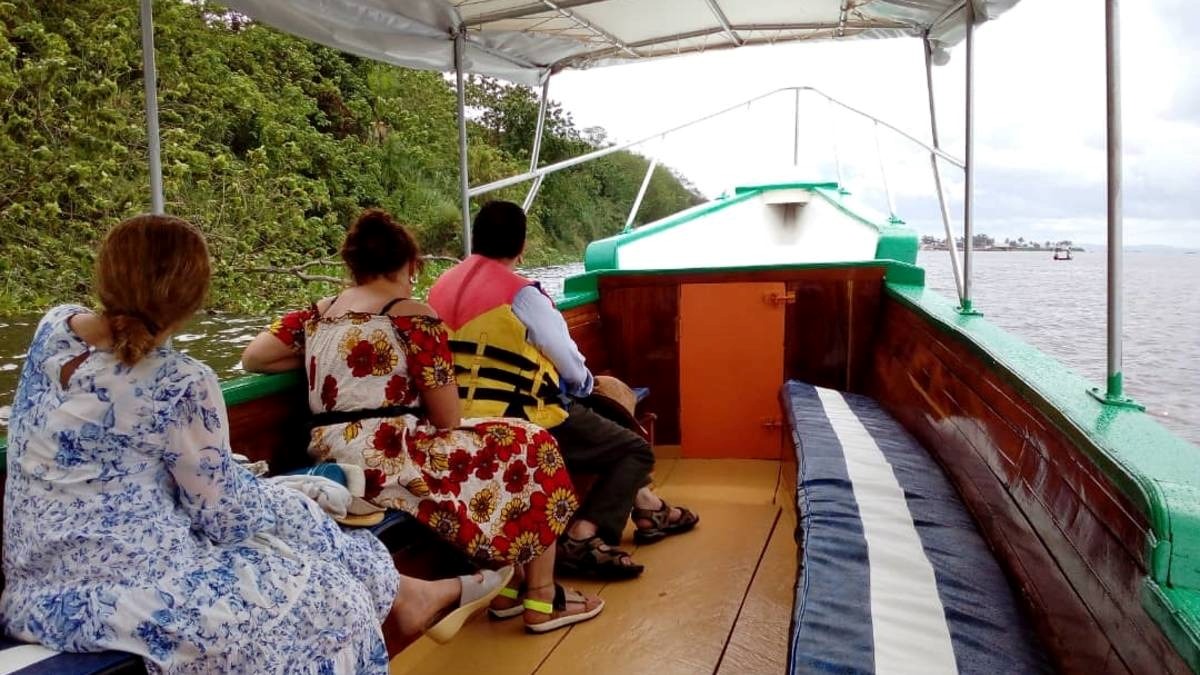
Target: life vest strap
495,353
507,396
546,389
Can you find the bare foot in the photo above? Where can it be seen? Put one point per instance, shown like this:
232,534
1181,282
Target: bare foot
416,606
503,604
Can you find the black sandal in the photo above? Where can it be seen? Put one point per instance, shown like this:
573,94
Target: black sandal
596,559
660,523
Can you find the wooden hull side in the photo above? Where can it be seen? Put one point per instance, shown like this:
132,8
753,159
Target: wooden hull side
272,427
1073,543
829,328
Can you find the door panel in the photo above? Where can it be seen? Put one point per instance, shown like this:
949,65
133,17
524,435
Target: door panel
730,368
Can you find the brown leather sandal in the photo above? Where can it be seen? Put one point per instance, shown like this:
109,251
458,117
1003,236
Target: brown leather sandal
661,525
595,559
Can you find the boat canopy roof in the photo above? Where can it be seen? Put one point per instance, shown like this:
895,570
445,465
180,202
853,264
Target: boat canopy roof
523,41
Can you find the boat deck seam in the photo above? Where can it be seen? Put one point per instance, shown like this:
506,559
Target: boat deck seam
762,554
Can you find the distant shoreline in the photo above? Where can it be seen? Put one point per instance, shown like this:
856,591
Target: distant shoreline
1002,249
1128,249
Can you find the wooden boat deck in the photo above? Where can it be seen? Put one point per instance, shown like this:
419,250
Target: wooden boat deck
717,600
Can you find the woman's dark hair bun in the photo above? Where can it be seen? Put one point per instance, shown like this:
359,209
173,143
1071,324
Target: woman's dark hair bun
378,246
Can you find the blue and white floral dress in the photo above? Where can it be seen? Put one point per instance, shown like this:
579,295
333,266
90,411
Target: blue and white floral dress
128,526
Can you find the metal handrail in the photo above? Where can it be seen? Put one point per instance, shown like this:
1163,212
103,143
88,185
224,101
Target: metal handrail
596,154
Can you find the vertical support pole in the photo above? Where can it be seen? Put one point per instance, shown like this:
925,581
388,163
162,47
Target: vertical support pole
460,48
937,173
837,160
887,191
969,161
1114,386
150,79
637,202
796,131
535,154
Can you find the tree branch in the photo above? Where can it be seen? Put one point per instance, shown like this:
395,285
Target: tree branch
441,258
299,272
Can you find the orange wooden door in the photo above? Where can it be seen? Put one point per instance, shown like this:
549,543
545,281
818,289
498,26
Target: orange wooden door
730,369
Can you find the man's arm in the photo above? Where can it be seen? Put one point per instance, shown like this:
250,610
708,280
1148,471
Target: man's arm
547,330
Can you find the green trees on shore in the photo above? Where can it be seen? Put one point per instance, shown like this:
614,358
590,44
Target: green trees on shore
270,144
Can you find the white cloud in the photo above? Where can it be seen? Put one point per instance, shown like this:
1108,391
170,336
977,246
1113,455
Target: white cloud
1040,119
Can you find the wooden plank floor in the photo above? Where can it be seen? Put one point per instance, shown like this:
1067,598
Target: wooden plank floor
715,600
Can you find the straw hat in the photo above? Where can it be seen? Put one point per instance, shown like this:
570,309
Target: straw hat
614,399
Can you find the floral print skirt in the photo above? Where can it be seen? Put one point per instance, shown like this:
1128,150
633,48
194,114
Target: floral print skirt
495,488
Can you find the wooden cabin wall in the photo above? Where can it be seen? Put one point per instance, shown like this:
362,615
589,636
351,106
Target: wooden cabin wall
1072,542
587,331
829,331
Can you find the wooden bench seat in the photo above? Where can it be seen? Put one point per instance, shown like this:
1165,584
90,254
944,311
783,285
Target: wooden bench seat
894,575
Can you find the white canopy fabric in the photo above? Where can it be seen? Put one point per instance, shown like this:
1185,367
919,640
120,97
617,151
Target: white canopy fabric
525,40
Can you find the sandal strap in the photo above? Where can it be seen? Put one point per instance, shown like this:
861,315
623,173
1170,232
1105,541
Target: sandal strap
659,518
542,607
510,593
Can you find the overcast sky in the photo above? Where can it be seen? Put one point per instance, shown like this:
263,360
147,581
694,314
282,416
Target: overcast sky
1039,119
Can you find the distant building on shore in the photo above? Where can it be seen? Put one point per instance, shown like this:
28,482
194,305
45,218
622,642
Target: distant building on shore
983,242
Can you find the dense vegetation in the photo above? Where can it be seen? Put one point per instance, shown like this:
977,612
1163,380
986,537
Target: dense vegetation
271,145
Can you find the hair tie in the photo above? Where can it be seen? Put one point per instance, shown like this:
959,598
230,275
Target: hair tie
150,325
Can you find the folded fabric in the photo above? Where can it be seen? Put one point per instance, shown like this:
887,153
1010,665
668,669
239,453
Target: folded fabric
258,468
332,497
350,476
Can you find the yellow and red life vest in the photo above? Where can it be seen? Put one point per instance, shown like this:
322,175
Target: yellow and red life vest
500,374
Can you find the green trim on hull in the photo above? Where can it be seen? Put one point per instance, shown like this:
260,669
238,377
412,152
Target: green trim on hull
235,392
251,387
1176,611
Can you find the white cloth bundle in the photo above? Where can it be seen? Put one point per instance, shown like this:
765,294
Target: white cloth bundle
332,497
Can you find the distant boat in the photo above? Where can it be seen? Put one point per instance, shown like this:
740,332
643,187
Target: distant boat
1061,253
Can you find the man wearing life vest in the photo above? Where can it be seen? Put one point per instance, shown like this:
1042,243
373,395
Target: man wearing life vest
514,357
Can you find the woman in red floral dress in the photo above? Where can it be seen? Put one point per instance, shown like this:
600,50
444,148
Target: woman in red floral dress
382,390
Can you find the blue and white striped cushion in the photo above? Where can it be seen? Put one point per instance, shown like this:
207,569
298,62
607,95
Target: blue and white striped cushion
894,576
20,658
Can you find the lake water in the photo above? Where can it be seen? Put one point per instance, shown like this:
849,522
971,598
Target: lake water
1057,307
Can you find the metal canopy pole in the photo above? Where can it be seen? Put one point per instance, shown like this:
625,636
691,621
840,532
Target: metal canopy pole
595,154
796,132
460,48
887,191
535,155
150,79
937,173
969,168
833,137
637,202
1114,386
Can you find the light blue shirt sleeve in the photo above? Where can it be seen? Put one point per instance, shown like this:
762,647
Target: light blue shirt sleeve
547,330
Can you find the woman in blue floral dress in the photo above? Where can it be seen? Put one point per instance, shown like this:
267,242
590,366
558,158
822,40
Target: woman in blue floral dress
128,526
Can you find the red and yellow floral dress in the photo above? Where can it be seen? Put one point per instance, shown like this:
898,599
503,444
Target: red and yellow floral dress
495,488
